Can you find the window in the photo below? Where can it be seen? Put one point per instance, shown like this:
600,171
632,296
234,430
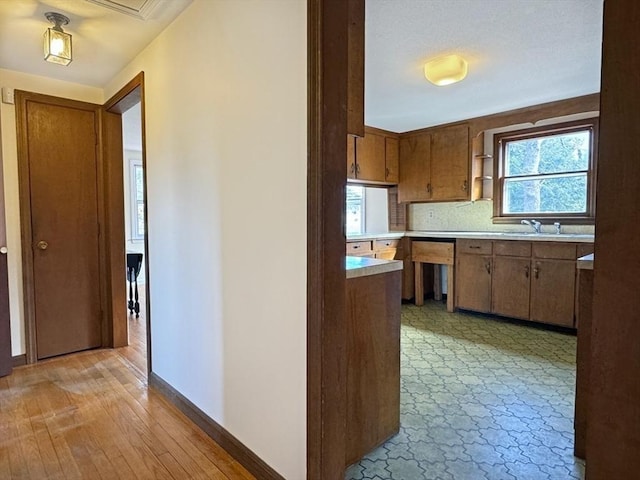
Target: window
547,172
136,197
355,210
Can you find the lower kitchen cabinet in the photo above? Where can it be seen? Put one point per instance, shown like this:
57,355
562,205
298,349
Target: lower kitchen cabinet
473,277
510,286
533,281
553,286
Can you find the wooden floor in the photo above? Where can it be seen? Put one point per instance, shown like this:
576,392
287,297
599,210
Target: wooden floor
91,415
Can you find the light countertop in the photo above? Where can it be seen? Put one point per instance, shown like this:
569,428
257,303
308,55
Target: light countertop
375,236
536,237
364,266
586,262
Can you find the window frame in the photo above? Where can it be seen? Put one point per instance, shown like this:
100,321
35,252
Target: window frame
363,214
499,147
135,235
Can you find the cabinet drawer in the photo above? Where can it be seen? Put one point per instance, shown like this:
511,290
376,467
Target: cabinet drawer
432,252
358,248
388,254
479,247
561,251
512,248
384,244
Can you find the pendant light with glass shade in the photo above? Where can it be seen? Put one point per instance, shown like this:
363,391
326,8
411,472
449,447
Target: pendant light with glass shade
57,43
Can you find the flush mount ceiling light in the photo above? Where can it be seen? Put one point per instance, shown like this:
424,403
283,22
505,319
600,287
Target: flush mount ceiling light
57,43
446,70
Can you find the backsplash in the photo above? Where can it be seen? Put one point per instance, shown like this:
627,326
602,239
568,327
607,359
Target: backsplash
472,217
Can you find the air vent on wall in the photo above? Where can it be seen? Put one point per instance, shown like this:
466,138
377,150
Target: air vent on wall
135,8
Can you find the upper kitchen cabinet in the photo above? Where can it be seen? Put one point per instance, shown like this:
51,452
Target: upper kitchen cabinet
415,171
434,165
373,158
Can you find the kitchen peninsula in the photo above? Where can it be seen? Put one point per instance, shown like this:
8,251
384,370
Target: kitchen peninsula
373,353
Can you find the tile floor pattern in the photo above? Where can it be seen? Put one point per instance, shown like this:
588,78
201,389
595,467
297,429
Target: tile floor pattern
480,399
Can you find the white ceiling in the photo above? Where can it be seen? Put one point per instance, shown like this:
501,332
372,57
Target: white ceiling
520,53
104,40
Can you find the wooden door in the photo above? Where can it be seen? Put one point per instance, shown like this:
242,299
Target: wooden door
60,229
553,285
510,286
415,169
351,156
6,361
370,158
473,278
450,161
391,158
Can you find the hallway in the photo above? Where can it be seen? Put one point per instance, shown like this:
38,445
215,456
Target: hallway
92,415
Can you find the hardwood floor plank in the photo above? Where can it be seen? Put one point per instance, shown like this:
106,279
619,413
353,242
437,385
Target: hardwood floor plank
91,415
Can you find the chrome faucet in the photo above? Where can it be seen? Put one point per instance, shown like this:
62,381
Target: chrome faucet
533,224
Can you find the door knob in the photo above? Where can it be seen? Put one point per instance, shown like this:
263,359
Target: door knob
3,250
42,245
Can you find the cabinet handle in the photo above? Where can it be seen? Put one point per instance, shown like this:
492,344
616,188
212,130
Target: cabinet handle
353,167
536,271
428,188
526,271
475,247
355,246
465,185
386,173
358,168
488,267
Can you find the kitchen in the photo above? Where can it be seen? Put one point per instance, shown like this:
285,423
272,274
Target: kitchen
449,177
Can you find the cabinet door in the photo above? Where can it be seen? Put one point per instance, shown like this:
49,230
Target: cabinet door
415,164
391,154
450,163
510,284
351,156
553,284
370,164
473,278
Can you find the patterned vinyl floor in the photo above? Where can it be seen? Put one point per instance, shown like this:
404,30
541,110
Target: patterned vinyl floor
480,399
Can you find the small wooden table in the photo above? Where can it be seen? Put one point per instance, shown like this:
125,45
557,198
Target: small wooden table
437,253
134,264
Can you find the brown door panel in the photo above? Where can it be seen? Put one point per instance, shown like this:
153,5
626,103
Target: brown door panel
62,160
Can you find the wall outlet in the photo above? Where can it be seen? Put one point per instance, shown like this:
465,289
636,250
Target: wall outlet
429,213
7,95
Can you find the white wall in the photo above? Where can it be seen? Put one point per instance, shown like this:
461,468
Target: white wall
31,83
376,210
226,118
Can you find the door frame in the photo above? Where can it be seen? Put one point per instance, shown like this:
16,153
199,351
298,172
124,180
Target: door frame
24,194
129,95
327,62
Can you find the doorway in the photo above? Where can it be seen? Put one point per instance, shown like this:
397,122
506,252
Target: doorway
135,234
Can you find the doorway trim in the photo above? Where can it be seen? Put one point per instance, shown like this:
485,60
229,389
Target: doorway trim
129,95
327,60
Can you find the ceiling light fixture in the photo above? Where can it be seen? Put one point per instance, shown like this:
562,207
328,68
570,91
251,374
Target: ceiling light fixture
57,43
446,70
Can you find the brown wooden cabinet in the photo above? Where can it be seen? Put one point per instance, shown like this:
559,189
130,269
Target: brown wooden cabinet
415,169
510,286
434,165
553,283
450,160
527,280
473,275
373,158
